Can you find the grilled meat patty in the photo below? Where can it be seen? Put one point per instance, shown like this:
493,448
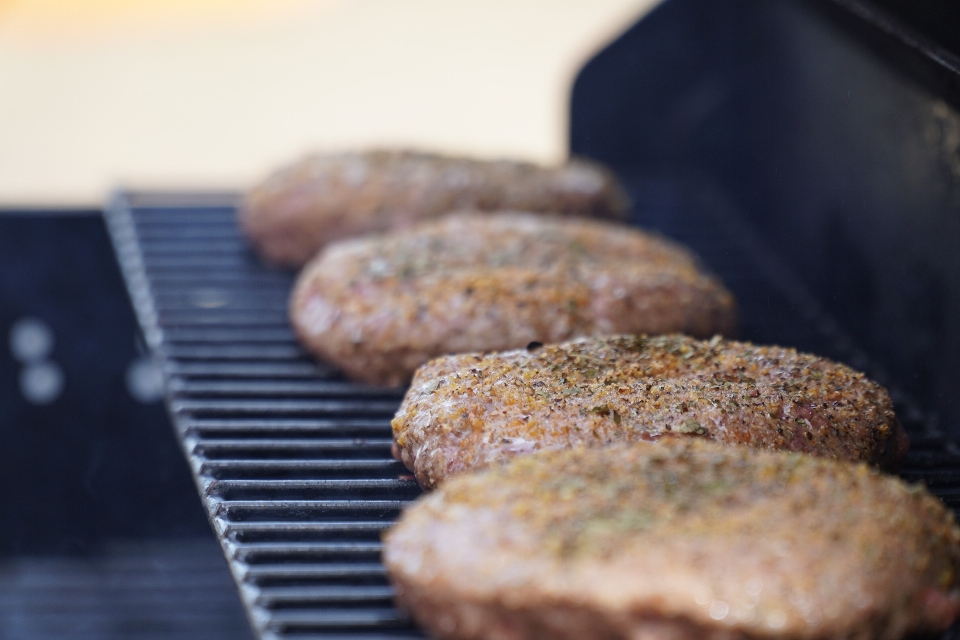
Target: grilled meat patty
685,539
322,198
468,411
380,307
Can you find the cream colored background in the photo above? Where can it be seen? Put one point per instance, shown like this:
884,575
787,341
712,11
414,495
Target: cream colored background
213,93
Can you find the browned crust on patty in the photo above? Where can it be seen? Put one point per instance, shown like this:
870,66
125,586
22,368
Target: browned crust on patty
323,198
380,307
468,411
681,540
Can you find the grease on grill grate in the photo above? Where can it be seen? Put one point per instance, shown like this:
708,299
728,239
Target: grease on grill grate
294,464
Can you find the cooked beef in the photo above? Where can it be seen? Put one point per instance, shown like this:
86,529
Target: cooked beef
682,540
470,410
380,307
323,198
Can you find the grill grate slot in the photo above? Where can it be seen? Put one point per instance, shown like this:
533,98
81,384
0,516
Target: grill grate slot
290,448
293,463
276,531
272,388
189,317
236,469
262,371
216,408
292,428
373,489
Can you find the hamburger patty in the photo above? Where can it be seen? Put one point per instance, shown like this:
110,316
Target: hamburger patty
467,411
380,307
322,198
681,540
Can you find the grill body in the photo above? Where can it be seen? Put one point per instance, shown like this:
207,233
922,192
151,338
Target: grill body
836,131
293,463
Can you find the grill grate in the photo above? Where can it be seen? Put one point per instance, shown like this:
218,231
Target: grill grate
294,464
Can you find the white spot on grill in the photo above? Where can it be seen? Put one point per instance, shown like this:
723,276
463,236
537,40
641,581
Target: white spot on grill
31,340
42,382
208,298
145,380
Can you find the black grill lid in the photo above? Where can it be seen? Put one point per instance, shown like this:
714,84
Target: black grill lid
834,128
293,463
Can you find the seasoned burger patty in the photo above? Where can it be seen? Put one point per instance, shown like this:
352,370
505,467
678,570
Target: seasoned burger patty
681,540
322,198
467,411
380,307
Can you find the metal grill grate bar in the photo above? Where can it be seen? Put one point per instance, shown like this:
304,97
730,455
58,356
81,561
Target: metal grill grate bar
262,371
244,335
188,352
225,486
272,597
222,469
345,408
286,426
282,573
311,388
344,618
303,548
213,448
297,528
190,317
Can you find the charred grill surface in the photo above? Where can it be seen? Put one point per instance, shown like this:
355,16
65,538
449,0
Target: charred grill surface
293,463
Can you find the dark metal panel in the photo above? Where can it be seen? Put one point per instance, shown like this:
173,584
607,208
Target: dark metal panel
835,131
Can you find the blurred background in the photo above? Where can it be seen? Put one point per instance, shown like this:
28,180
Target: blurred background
214,93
